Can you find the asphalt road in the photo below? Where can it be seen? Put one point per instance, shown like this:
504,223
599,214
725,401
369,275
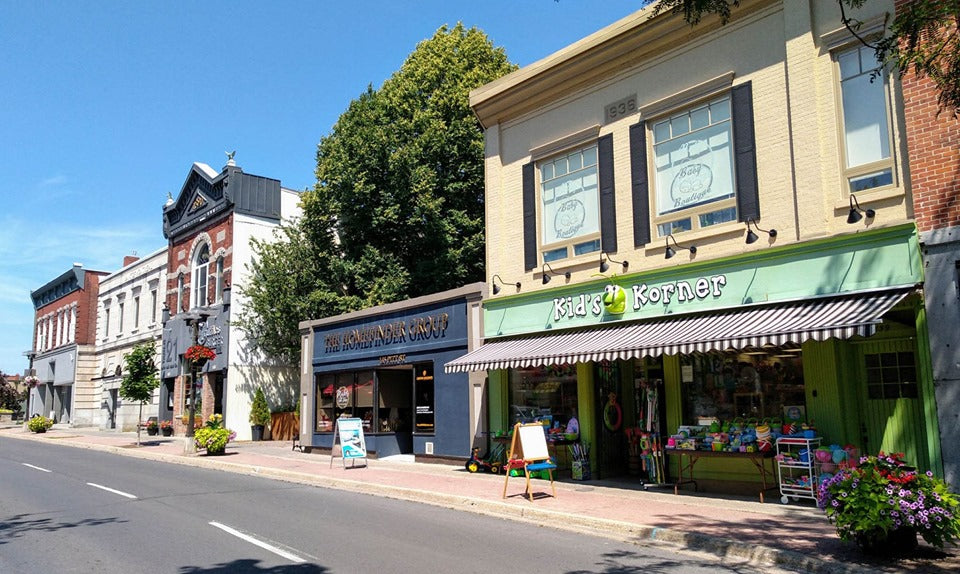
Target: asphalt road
65,509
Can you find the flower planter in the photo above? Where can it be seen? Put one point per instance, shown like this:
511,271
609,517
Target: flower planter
168,431
899,542
153,431
216,452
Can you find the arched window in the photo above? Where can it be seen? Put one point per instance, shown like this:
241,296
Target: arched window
201,265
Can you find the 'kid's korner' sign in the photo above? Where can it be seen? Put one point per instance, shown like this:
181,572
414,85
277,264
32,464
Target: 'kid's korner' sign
639,296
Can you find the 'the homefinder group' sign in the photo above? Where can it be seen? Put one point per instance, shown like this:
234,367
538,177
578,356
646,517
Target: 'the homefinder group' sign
396,332
641,295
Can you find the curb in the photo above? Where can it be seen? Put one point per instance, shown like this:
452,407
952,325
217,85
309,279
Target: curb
752,554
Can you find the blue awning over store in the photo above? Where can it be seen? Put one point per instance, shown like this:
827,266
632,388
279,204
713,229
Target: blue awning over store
841,317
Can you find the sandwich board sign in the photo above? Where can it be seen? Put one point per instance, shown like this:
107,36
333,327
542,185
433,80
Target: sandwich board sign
349,432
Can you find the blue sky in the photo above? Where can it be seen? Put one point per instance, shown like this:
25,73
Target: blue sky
105,105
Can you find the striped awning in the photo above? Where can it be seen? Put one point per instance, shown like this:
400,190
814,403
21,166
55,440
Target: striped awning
840,317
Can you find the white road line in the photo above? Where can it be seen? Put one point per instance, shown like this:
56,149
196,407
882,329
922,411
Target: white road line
264,545
35,467
111,490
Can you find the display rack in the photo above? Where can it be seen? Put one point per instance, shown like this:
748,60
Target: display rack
797,468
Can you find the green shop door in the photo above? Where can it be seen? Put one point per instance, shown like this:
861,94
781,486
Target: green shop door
891,413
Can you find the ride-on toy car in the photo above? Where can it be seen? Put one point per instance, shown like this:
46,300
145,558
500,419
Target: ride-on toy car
493,462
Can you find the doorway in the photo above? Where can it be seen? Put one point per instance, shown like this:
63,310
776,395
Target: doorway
112,409
394,412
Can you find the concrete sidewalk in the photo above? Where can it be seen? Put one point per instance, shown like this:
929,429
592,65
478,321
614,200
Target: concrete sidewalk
793,537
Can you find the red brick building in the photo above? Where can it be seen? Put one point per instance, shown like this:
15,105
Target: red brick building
63,347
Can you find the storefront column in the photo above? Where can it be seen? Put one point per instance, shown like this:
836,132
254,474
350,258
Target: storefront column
927,392
497,383
586,410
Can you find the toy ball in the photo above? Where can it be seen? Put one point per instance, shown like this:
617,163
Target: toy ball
614,299
839,456
823,455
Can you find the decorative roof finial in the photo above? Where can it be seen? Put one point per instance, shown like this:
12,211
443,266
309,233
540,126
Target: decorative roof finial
169,199
230,156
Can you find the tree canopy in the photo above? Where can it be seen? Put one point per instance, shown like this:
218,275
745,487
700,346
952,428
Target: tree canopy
923,36
141,376
398,207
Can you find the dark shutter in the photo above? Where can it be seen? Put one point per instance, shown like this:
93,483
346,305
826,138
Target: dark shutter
745,153
608,204
529,218
640,185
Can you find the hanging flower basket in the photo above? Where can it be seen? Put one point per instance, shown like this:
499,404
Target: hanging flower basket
199,354
31,381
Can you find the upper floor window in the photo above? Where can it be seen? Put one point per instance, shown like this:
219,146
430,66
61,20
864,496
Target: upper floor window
120,318
153,306
180,289
219,293
866,128
694,168
201,263
106,322
136,312
570,204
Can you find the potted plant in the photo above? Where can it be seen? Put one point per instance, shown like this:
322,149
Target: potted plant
39,423
213,436
259,414
166,428
882,504
152,427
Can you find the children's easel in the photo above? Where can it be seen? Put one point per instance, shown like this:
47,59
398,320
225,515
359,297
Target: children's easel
529,450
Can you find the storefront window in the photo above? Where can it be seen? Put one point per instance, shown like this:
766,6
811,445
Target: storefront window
543,394
726,386
423,390
364,399
325,393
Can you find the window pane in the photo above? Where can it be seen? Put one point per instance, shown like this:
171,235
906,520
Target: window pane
546,172
875,392
871,181
590,156
864,120
694,169
905,359
700,118
588,247
678,226
576,162
555,255
888,359
720,110
560,166
680,125
849,64
873,376
424,398
908,390
721,216
661,132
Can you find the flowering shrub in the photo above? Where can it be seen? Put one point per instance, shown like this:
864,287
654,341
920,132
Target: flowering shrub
166,424
151,425
213,437
39,423
199,353
31,380
882,496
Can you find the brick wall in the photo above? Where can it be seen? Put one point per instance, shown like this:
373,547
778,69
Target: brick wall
933,144
220,235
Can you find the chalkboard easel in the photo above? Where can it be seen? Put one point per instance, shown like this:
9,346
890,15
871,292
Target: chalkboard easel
528,450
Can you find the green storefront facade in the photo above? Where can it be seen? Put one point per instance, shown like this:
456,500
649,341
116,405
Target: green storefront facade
860,370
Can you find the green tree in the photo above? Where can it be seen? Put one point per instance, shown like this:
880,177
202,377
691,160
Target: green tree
141,377
259,410
397,210
923,36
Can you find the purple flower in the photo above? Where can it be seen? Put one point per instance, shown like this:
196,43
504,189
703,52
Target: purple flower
930,473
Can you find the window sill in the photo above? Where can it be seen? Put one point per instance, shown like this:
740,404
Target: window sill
870,196
658,245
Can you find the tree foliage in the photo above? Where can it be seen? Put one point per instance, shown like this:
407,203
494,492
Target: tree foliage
923,37
141,377
397,210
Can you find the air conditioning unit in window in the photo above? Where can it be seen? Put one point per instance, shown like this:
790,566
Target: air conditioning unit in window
428,448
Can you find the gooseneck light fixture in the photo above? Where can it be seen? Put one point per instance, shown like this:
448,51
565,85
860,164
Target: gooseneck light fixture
496,288
855,211
752,237
670,252
546,276
604,258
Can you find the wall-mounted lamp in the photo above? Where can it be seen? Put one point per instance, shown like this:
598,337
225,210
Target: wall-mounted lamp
496,288
546,276
855,211
670,252
752,237
604,258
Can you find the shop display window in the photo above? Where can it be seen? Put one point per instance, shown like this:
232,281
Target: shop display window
325,395
543,394
759,384
423,389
